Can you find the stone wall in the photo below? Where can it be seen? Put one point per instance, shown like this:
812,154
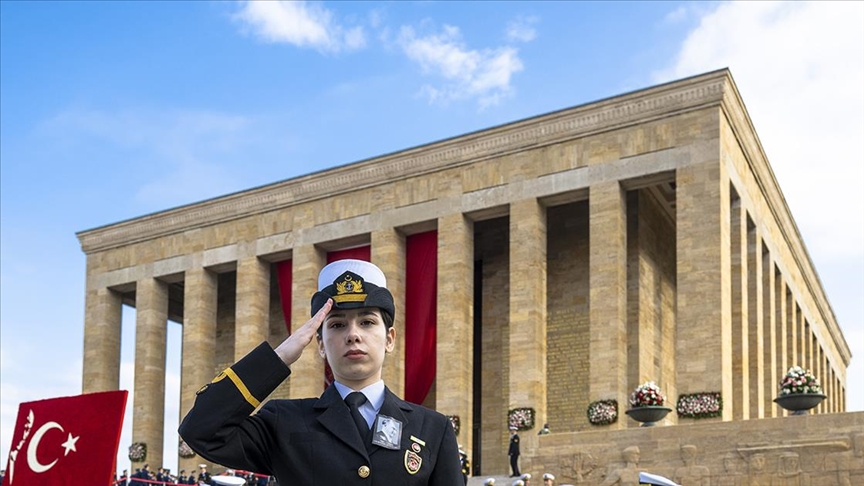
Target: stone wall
567,311
823,450
491,247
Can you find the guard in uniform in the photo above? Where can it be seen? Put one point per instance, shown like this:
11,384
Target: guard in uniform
333,439
513,452
548,479
204,476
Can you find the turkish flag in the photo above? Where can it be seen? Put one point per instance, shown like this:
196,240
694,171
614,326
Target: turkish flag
66,441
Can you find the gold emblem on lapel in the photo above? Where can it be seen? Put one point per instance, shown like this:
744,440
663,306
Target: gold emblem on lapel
413,461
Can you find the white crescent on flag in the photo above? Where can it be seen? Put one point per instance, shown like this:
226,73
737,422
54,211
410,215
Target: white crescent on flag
32,461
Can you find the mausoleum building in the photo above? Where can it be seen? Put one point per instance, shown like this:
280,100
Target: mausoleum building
542,264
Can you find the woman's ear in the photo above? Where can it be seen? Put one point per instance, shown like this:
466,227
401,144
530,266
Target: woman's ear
320,344
391,340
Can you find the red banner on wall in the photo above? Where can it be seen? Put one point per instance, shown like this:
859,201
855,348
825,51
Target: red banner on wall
66,441
285,279
421,294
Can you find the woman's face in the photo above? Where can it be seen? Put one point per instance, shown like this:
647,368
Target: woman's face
355,341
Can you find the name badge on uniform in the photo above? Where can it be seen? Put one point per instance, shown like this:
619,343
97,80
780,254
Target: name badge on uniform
388,432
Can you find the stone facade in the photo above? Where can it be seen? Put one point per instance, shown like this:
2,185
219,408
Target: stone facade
641,237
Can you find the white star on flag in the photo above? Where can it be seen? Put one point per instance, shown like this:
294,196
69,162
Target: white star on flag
69,445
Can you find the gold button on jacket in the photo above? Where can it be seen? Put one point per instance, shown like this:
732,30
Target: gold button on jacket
363,472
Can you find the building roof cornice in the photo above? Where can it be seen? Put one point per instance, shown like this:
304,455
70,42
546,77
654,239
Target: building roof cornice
608,114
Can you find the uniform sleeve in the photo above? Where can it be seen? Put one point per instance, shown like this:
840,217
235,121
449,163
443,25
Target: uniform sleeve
448,469
220,427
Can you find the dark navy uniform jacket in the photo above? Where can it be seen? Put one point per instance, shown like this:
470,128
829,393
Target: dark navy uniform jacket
313,441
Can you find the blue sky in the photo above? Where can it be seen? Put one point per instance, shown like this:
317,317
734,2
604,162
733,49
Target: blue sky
112,110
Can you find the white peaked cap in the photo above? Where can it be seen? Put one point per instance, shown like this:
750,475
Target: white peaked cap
368,271
489,482
549,476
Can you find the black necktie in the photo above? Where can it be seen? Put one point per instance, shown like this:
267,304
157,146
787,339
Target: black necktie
354,400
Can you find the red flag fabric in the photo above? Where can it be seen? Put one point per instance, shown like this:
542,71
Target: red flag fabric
421,314
66,441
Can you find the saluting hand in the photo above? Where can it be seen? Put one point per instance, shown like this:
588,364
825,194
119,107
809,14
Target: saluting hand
291,348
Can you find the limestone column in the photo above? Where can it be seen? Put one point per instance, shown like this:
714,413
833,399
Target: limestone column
791,331
199,341
455,307
643,296
307,374
102,322
756,333
527,358
803,340
770,360
782,338
607,234
388,252
252,314
817,363
151,327
704,282
740,312
806,353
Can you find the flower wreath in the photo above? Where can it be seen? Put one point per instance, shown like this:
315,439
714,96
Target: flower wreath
521,418
700,405
184,450
138,452
603,412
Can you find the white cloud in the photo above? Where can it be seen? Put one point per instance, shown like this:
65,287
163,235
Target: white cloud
301,24
800,70
677,15
522,29
467,73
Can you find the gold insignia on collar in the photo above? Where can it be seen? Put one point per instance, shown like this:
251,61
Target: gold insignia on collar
349,288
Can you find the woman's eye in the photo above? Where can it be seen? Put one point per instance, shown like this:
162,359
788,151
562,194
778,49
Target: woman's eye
335,325
368,323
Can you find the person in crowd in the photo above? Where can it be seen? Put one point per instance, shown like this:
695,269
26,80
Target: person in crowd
548,479
204,477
